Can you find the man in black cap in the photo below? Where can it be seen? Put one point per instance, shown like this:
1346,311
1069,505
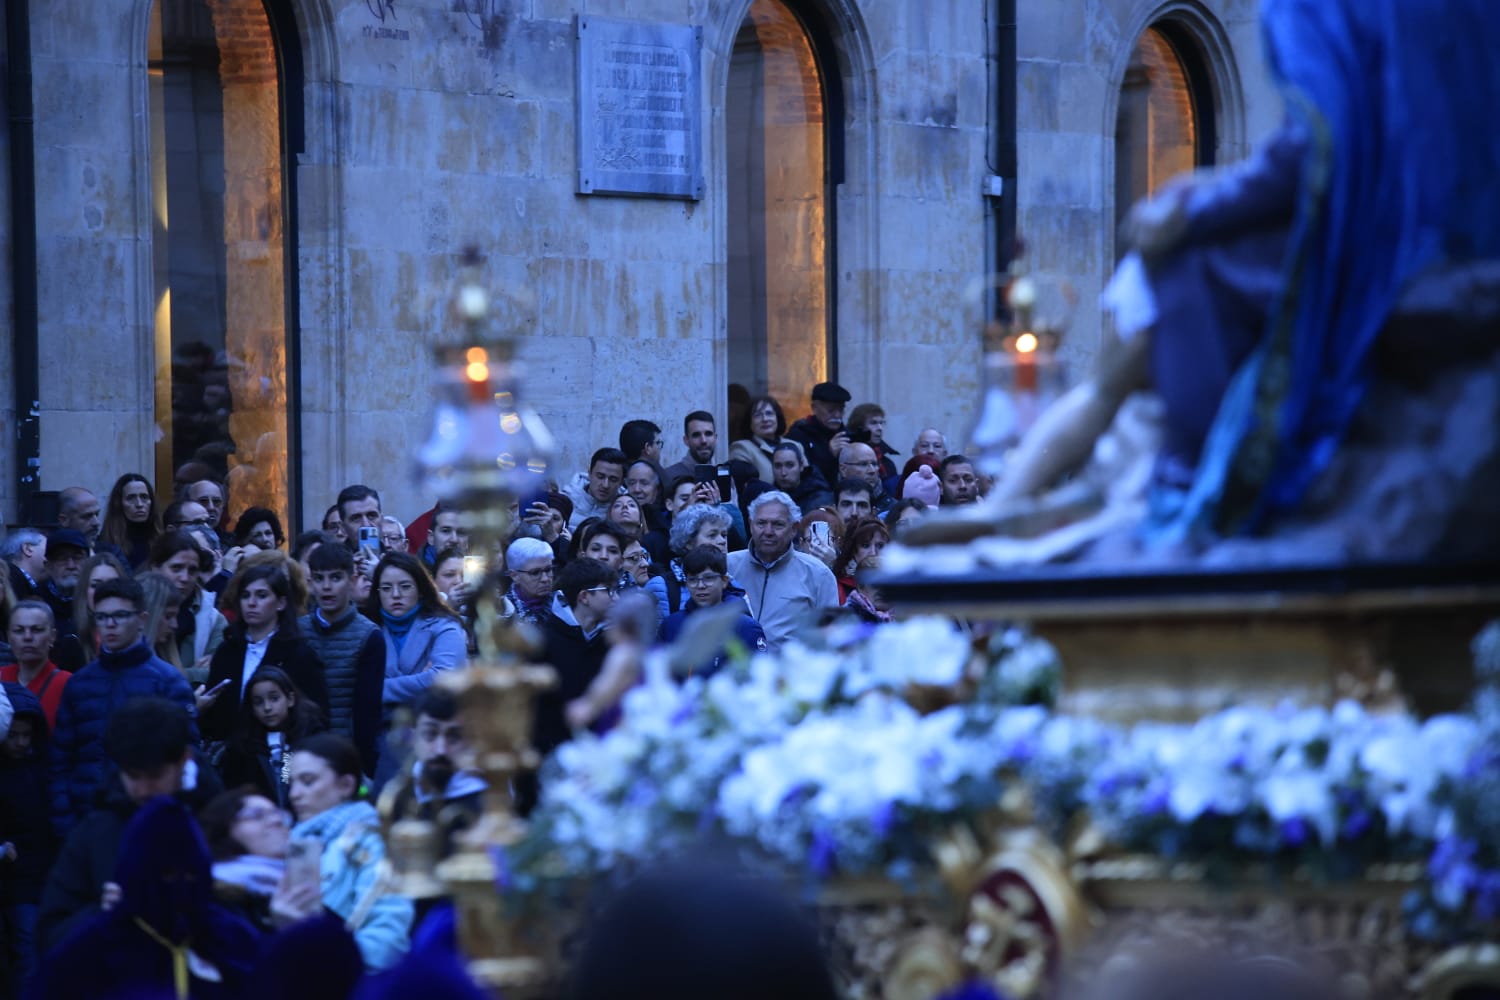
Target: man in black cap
67,550
822,435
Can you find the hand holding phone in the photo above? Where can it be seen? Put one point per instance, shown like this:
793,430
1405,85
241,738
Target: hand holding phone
369,539
303,855
205,697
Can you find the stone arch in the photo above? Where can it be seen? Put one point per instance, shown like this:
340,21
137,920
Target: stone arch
1194,26
305,61
842,42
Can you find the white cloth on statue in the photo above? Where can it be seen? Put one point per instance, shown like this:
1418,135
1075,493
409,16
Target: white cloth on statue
1129,297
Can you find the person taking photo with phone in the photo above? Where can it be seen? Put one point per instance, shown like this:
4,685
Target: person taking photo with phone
335,855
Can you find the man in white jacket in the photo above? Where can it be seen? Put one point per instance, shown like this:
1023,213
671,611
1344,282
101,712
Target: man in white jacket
784,588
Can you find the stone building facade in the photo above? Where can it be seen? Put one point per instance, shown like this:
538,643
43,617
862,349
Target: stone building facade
249,213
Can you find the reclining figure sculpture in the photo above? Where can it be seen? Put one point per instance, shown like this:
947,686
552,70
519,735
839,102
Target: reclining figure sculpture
1280,283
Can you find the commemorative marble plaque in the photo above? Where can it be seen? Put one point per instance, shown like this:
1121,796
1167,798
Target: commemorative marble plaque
639,121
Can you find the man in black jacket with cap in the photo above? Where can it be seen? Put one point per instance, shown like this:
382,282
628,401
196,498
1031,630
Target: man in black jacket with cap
822,434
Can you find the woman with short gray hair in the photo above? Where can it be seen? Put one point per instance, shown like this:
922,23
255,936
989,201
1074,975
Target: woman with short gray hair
699,524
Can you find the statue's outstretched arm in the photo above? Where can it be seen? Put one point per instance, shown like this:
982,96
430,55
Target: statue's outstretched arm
1063,437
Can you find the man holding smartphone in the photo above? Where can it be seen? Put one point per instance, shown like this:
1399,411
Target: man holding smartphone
359,508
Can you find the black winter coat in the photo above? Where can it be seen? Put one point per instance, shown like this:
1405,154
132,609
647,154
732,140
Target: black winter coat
23,805
87,859
286,651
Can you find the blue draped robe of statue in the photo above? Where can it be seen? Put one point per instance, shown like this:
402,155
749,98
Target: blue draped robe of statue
1393,114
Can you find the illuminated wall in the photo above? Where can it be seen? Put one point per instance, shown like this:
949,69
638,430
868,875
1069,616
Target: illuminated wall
219,265
778,224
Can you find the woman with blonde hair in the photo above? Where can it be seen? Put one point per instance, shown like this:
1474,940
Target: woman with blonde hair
163,602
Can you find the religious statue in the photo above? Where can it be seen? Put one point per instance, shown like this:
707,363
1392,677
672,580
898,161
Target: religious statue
1285,308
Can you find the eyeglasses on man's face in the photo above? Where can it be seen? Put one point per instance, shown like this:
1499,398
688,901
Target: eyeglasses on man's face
197,522
114,617
706,580
611,591
534,574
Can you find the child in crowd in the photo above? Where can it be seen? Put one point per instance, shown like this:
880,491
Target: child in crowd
708,585
273,717
25,843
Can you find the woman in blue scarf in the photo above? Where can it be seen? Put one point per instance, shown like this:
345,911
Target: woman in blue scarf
422,634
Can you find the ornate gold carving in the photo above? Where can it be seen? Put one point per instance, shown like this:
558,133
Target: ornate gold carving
1459,969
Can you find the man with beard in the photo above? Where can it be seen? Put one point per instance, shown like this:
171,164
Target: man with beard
448,794
78,510
701,438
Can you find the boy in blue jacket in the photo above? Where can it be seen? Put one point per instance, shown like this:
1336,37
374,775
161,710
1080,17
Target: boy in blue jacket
707,575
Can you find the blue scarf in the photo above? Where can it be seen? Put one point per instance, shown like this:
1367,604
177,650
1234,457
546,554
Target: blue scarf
399,628
1399,98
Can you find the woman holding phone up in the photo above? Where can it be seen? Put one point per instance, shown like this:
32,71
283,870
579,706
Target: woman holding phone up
334,858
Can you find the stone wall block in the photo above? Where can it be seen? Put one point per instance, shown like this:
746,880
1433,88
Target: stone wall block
85,282
383,207
1064,240
92,446
503,137
906,237
387,127
1037,95
82,370
564,288
80,104
1062,169
82,31
1081,93
1046,29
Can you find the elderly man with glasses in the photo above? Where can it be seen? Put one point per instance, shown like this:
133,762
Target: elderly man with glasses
859,461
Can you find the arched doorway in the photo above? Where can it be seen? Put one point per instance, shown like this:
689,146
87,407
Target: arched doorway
1165,123
782,146
222,263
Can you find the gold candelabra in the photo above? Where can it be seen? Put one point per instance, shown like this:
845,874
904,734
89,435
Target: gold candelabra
487,449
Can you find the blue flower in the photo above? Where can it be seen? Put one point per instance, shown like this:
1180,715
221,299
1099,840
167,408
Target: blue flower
504,881
1487,896
973,990
824,853
1294,832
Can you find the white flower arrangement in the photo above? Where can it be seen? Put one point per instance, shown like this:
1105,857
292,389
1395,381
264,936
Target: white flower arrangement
813,758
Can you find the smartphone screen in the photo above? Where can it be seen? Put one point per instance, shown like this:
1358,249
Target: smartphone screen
704,473
303,855
726,484
369,538
473,570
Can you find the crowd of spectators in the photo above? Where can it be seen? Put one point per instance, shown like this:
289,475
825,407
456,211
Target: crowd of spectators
197,708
